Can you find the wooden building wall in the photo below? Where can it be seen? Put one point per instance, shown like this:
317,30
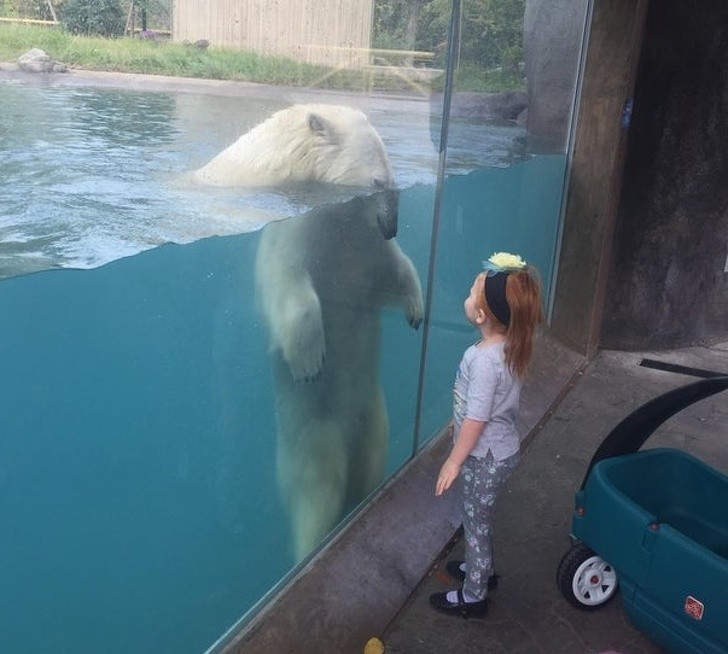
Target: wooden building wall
328,32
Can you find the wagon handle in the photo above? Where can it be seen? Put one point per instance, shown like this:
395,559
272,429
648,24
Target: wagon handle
630,434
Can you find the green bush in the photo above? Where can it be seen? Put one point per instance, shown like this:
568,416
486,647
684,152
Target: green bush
100,17
491,31
25,9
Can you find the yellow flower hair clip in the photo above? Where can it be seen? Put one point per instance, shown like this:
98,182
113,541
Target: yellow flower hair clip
504,262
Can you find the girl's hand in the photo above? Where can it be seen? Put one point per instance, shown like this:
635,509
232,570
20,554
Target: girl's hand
448,474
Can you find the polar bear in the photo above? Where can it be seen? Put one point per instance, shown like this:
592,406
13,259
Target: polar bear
305,142
321,282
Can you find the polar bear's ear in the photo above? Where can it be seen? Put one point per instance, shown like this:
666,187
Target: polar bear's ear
320,126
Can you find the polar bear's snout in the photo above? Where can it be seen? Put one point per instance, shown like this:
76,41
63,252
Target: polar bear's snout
388,212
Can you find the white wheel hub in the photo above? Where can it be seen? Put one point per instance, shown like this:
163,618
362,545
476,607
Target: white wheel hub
594,581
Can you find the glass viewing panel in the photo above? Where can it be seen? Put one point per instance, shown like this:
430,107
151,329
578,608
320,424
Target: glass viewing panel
212,366
515,73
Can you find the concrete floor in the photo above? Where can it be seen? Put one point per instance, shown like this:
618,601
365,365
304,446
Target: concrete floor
527,613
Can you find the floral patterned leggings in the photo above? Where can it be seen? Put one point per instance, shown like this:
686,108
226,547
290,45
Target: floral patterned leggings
483,479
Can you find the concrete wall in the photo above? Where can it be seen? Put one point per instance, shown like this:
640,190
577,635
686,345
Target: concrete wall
668,283
596,172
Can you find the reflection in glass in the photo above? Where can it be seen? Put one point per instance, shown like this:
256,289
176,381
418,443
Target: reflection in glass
513,89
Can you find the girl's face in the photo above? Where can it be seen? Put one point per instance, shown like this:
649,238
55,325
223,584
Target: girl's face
470,306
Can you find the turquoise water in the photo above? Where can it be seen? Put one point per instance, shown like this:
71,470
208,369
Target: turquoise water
137,470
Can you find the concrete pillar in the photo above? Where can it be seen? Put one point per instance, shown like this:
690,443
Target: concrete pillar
596,172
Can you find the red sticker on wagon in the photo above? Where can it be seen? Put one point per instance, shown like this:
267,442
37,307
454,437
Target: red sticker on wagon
694,608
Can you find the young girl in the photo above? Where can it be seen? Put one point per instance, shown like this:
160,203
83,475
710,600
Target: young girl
505,305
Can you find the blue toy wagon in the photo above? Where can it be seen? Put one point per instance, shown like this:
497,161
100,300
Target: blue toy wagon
655,524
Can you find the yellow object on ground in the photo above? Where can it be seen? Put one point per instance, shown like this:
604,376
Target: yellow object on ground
374,646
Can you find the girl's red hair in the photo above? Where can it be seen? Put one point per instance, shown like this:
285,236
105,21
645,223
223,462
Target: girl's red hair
523,295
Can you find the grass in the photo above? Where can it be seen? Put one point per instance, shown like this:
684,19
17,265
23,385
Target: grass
179,60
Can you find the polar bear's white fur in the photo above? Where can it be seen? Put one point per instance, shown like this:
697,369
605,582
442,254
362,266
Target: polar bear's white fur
321,282
305,142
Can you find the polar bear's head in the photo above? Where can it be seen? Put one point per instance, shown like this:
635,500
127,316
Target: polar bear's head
334,144
311,142
319,142
340,146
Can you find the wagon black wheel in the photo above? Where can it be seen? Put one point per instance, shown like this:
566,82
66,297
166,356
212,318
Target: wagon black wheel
586,580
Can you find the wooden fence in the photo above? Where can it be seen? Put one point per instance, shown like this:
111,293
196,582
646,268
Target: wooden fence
327,32
28,21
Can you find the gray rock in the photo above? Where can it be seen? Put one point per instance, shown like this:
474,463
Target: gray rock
485,107
494,106
37,61
552,37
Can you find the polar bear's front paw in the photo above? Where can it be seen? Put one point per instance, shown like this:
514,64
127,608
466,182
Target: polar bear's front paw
414,320
306,359
307,369
299,328
415,311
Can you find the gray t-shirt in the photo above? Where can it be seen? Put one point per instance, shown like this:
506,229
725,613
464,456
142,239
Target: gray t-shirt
486,390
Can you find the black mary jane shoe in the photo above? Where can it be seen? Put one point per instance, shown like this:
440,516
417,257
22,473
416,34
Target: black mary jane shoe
453,569
465,609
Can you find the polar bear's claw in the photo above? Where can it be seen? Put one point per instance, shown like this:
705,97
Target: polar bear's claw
312,379
414,322
308,373
415,312
314,375
306,363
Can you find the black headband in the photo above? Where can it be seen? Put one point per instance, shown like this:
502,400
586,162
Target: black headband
495,296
